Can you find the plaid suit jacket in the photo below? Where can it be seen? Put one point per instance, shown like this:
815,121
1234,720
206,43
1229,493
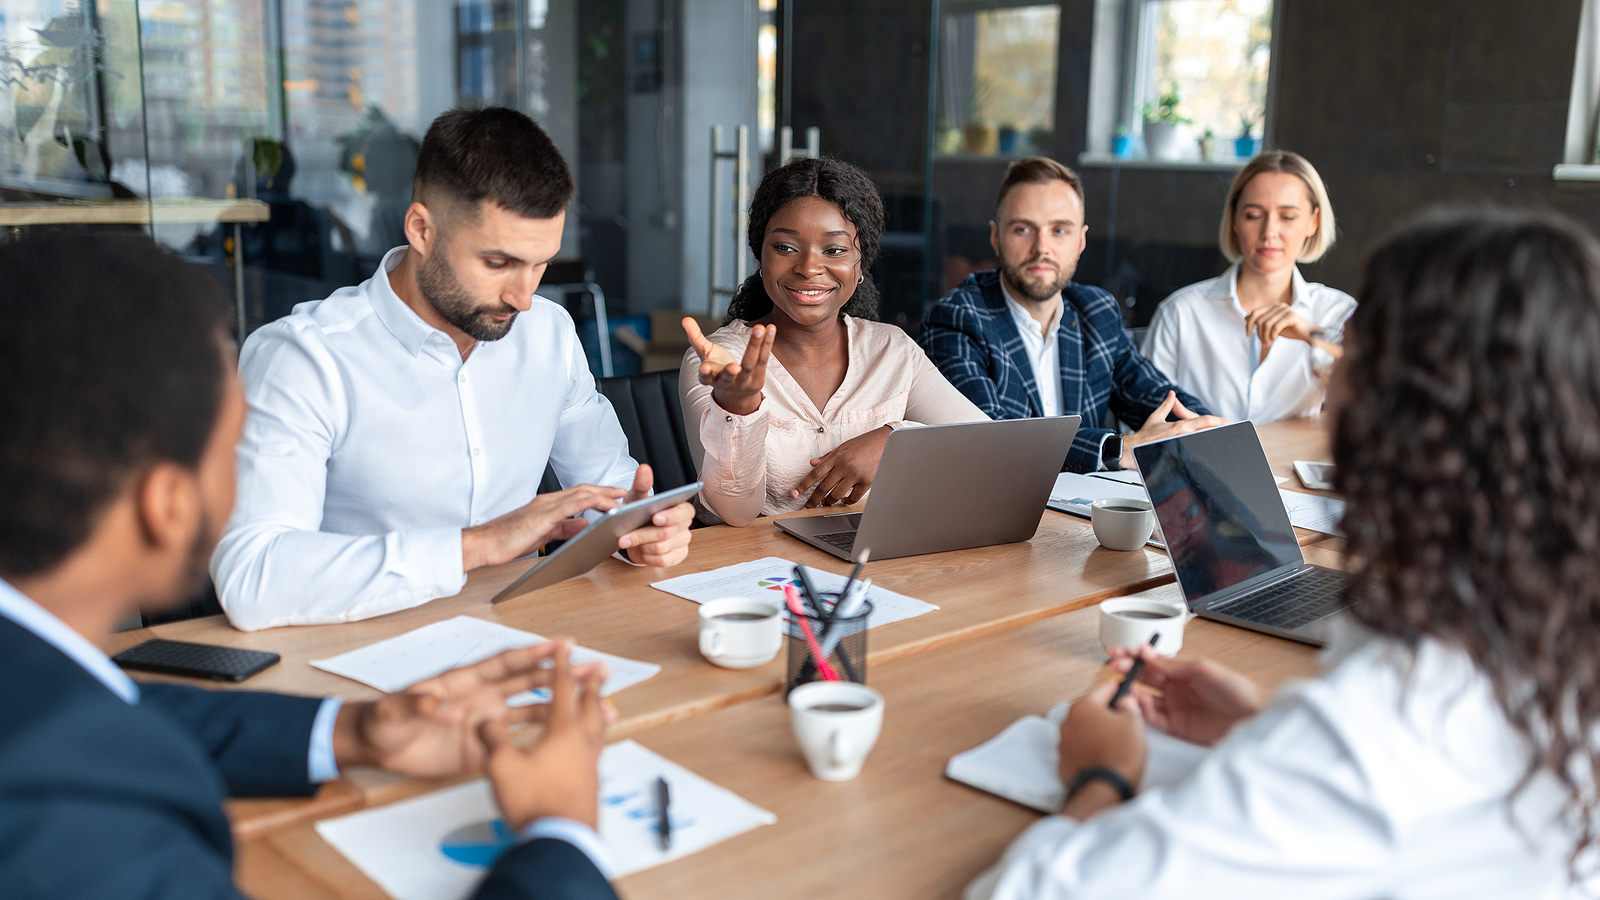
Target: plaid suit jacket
969,334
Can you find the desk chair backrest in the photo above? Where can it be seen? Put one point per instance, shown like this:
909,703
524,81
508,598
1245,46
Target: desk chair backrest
652,417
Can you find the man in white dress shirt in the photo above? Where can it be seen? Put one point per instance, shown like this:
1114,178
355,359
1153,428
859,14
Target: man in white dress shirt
399,429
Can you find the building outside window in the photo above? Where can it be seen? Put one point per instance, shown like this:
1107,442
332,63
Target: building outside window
997,79
1196,78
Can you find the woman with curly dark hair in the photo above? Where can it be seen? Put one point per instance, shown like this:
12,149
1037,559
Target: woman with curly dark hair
790,403
1450,749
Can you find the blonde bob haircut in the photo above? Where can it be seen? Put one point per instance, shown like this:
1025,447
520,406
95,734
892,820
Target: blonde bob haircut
1289,164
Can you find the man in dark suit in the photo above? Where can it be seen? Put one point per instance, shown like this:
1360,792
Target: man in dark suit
119,411
1027,341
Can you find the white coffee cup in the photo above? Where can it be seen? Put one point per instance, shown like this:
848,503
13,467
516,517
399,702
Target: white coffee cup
1122,524
1130,621
836,723
736,633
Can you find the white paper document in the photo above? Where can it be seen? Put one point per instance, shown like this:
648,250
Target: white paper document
1314,511
399,662
763,579
439,846
1073,492
1019,764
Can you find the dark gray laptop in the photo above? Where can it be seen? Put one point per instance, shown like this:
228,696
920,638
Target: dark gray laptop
949,487
1229,536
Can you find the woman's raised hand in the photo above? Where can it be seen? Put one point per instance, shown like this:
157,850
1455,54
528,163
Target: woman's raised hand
735,384
1277,320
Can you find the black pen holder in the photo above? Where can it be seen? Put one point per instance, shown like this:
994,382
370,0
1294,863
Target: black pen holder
847,655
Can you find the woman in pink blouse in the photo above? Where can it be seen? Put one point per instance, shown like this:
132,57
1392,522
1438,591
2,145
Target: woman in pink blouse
789,404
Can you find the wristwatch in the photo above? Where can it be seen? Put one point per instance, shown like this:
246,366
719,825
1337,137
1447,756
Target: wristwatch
1109,776
1111,452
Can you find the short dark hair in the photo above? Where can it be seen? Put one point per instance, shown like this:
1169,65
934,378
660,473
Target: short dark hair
111,359
837,182
1037,170
494,153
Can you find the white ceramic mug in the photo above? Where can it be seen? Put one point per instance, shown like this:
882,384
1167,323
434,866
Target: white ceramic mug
1130,621
1122,524
736,633
836,723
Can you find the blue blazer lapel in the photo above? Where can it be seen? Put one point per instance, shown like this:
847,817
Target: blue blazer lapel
1069,354
1000,314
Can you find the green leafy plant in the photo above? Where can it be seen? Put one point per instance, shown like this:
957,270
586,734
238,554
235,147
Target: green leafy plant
1165,109
1247,123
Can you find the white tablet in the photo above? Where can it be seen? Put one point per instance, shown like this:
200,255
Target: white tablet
593,544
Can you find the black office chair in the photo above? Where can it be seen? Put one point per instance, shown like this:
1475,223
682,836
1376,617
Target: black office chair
652,418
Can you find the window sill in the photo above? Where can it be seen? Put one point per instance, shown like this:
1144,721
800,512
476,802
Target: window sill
978,157
1576,174
1102,159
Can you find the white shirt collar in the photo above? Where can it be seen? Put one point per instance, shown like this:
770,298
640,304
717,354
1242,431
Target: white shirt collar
15,606
401,320
1025,319
1227,288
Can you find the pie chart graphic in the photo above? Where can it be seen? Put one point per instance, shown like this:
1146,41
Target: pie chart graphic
478,844
775,584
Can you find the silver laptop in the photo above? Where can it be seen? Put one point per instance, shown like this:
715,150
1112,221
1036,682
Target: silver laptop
949,487
1229,536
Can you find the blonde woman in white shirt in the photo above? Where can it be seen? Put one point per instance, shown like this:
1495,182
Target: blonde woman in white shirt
1254,342
1451,747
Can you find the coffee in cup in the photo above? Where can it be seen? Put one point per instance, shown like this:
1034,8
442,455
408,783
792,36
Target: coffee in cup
1121,523
736,633
1131,621
836,723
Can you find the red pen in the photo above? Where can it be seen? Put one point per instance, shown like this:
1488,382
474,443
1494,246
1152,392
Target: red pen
793,599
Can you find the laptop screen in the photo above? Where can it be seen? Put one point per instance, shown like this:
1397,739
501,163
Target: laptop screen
1219,508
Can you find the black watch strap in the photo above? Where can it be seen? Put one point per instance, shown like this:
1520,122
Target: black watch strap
1100,773
1111,451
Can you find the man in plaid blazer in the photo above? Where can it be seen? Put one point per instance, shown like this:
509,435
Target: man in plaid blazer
988,335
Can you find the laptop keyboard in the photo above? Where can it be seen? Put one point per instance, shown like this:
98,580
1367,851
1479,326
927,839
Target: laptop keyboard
1292,602
844,540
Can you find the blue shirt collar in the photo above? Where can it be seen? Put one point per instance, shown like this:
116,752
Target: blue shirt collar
44,625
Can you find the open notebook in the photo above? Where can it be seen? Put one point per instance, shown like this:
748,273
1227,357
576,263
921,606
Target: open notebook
1019,763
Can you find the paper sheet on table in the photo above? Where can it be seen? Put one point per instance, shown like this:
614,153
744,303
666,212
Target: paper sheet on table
763,579
438,847
1314,511
399,662
1073,492
1019,764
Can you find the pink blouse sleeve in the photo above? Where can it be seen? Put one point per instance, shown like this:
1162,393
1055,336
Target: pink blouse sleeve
730,451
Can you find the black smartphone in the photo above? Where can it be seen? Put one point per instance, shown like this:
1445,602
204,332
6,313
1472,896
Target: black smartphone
194,660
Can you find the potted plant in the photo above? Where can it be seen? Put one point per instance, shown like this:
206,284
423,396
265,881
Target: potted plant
1007,139
1245,146
1122,142
1161,121
1208,145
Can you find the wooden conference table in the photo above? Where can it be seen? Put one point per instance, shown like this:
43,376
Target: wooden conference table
1013,635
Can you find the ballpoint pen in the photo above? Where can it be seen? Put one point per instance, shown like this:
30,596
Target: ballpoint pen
1133,675
663,814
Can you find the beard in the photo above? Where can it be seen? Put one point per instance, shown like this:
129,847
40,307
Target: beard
197,568
1033,288
444,292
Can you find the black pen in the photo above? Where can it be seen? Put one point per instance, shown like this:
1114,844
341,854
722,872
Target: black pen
663,814
1133,675
812,597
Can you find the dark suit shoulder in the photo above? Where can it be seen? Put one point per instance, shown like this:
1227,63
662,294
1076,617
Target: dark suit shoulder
545,869
1095,305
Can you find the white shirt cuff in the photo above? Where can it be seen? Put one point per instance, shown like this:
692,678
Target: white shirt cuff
1100,453
321,765
575,833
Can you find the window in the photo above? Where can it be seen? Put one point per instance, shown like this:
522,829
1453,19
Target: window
997,80
1193,79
